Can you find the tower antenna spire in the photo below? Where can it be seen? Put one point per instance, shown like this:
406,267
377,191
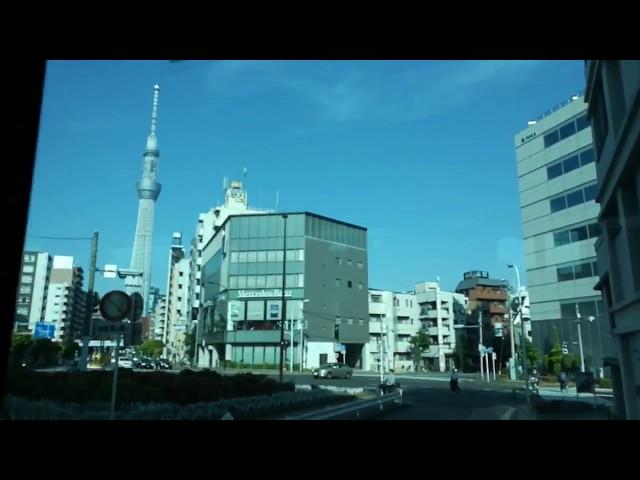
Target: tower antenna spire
154,110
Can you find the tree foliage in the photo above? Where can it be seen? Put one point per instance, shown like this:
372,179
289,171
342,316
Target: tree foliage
152,348
419,344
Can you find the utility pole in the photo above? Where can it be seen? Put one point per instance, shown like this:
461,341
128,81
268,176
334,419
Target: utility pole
291,342
283,314
481,346
580,338
88,323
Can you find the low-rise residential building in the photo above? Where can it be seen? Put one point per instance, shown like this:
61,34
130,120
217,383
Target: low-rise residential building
32,290
393,320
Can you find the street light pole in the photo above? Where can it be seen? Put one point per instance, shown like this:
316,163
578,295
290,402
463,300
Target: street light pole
523,346
283,314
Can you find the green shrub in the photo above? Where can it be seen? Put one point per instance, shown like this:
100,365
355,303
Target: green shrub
605,383
139,387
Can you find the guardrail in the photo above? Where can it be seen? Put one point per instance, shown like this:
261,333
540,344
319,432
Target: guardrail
354,409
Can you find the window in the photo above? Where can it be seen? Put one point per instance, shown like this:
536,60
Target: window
360,264
349,321
557,204
571,163
361,322
583,270
261,257
551,138
242,257
233,282
579,233
349,284
360,286
338,261
338,282
261,281
564,274
376,298
349,263
338,320
590,193
28,269
179,299
251,281
575,198
554,171
594,230
27,279
271,256
292,280
586,157
567,130
242,282
251,257
582,122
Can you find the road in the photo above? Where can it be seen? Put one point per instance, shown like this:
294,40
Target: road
430,399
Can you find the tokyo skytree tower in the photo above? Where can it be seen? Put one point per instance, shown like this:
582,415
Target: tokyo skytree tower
148,192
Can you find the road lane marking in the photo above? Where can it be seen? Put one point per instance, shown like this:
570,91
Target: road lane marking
508,414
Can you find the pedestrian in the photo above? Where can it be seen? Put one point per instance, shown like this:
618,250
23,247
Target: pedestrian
453,382
388,382
563,381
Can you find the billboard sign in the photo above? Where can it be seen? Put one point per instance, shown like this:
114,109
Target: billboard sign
44,330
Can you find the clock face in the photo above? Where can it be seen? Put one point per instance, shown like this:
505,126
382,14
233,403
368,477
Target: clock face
115,305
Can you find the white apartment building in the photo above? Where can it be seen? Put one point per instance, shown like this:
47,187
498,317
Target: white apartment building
65,300
159,316
393,320
32,291
176,320
438,311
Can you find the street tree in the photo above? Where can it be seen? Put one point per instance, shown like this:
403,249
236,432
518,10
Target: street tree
20,345
45,352
419,344
152,348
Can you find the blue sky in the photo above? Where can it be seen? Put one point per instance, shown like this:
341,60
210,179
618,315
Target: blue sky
419,152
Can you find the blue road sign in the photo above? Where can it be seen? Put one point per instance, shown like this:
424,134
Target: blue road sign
44,330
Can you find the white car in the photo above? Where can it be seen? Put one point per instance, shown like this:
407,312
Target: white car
125,362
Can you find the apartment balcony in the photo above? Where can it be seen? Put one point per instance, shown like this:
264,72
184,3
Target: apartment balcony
375,327
377,309
487,294
433,331
403,347
406,328
431,314
496,308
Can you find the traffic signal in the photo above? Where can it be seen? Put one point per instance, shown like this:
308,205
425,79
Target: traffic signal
565,348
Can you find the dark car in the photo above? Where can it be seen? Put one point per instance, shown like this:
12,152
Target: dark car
333,370
146,364
163,364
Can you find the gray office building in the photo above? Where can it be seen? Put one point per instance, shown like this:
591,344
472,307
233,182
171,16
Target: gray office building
326,291
613,92
557,183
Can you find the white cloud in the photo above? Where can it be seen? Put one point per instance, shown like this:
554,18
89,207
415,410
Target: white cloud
420,89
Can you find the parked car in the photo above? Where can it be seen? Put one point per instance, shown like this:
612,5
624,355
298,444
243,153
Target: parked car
333,370
145,364
163,364
125,362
